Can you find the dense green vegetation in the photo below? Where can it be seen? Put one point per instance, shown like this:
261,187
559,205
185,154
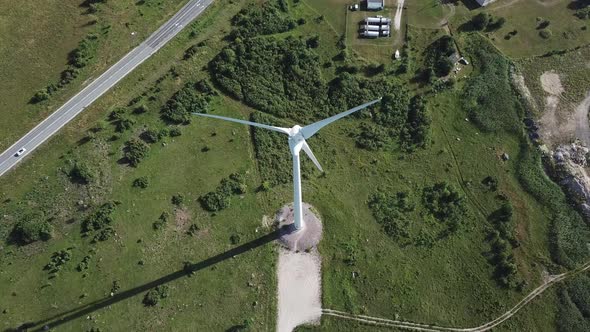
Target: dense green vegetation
192,98
489,96
281,77
437,57
262,19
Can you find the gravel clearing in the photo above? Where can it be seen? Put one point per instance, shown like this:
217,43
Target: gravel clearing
299,290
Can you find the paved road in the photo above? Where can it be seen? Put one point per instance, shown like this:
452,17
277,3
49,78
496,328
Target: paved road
98,87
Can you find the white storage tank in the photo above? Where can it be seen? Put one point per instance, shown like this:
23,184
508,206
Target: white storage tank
370,34
373,20
369,27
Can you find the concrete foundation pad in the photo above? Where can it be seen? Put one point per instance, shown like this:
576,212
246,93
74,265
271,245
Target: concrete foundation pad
303,239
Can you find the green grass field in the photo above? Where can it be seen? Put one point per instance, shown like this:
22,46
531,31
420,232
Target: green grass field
449,283
567,31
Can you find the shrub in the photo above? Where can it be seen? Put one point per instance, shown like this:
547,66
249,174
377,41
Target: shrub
141,109
174,132
31,228
193,229
103,234
235,239
82,173
162,221
117,114
154,295
545,33
141,182
214,201
135,151
124,124
40,96
100,218
150,136
177,199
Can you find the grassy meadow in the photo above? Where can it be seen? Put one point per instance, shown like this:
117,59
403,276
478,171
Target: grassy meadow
219,267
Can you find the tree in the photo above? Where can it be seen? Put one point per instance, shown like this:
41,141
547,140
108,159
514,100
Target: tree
443,67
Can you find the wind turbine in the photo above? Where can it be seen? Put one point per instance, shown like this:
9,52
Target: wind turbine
297,136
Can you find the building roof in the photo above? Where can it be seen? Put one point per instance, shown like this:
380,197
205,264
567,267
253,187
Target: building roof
374,4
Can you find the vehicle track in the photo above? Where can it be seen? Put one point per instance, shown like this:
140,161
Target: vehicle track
484,327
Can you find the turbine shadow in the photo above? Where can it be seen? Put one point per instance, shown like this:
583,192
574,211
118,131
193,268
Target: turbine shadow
188,270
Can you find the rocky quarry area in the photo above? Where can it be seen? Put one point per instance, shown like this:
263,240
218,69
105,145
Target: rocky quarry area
570,163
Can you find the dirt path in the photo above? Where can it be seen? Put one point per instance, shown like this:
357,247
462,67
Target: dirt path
551,280
299,290
397,20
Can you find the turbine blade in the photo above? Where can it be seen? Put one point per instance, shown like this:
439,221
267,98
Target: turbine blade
279,129
307,150
313,128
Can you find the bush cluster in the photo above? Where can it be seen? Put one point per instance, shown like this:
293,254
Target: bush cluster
135,150
389,210
502,241
220,198
100,218
445,203
162,221
192,98
57,260
141,182
154,295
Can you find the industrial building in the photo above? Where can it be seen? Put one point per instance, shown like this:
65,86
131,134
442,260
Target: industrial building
375,4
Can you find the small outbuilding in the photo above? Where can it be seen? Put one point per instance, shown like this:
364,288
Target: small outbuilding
375,4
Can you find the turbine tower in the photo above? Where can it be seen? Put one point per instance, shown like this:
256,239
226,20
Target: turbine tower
297,136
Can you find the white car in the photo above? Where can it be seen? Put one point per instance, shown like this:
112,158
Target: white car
20,152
